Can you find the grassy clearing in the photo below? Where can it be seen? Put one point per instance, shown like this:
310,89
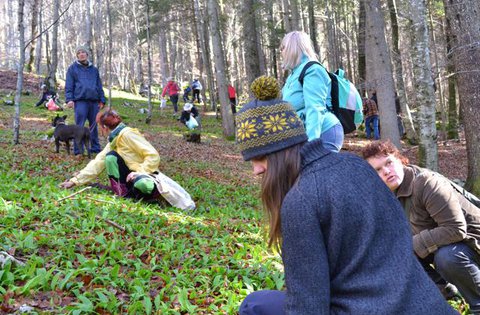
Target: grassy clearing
156,260
161,260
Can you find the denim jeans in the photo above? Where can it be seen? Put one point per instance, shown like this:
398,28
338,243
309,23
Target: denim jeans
459,264
87,110
374,120
266,302
332,139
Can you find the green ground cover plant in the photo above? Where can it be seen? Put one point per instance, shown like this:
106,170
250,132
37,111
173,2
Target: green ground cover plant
93,253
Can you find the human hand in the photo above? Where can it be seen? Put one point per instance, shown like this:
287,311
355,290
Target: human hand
131,176
70,104
67,184
101,105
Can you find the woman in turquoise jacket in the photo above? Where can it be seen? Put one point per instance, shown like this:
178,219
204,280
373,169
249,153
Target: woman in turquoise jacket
311,101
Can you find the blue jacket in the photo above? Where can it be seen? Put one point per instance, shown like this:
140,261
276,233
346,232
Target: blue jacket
83,84
347,245
311,100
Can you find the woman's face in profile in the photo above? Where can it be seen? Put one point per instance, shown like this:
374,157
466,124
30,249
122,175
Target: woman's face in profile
259,165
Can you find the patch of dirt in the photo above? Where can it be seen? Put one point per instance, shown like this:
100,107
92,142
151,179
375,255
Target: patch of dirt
31,82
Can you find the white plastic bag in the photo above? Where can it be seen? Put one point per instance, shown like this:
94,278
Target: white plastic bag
192,123
163,103
175,194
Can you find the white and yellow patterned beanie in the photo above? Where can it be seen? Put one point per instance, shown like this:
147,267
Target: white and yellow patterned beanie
267,124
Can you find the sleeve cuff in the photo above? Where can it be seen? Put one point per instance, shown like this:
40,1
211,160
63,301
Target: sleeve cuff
423,244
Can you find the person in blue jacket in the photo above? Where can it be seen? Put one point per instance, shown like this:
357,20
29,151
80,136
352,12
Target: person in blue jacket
312,100
84,92
346,246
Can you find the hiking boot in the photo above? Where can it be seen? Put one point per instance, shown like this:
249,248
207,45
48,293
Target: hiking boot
449,291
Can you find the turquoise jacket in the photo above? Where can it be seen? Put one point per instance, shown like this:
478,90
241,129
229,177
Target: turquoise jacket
311,100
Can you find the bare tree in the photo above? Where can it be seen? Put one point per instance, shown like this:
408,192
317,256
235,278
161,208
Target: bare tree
250,40
21,63
149,62
52,73
463,16
424,93
220,70
34,34
397,65
382,71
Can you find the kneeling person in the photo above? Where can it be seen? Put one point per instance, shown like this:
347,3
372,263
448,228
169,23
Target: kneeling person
445,225
127,158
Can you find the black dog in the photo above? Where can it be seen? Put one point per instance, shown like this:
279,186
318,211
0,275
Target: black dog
65,133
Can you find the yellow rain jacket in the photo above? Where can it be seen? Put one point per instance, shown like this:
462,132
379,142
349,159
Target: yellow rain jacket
139,156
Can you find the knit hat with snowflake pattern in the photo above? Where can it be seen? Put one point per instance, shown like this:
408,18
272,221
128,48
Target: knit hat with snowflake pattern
267,124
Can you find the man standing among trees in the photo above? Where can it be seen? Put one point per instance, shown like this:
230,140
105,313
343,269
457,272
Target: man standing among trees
84,92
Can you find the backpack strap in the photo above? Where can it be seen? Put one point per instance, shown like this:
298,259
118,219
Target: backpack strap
334,88
304,70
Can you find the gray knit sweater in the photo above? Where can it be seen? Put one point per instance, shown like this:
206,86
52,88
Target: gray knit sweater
347,246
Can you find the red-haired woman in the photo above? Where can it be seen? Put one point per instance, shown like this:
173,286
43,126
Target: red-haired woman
126,157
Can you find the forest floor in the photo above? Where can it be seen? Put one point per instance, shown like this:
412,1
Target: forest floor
94,253
451,153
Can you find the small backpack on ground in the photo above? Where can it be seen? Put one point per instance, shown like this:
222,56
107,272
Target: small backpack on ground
346,101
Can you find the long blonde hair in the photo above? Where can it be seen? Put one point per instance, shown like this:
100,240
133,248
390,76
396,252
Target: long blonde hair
281,174
294,45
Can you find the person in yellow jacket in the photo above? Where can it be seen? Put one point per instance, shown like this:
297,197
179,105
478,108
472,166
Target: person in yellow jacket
127,158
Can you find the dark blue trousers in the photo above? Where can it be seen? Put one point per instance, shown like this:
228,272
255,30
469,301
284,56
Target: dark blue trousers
266,302
87,110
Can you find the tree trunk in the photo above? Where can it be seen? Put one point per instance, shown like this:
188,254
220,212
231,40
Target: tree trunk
312,25
88,26
452,129
52,74
362,65
250,40
39,41
397,65
110,44
21,63
34,34
287,20
295,21
149,61
227,117
422,80
465,24
382,71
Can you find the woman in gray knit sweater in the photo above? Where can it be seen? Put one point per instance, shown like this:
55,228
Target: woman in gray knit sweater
346,246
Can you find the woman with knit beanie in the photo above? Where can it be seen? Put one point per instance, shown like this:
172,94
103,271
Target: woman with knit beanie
311,100
341,255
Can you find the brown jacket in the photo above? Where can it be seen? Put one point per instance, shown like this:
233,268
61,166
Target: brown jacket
438,214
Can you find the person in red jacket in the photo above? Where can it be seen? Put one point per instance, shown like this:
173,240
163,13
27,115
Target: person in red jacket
172,89
232,95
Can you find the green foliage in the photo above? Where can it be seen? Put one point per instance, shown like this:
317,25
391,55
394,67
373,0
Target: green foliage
165,261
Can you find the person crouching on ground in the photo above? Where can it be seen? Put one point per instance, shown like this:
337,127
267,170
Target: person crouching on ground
346,246
189,110
445,225
127,157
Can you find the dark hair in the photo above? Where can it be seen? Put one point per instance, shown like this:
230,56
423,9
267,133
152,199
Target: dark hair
109,119
378,148
283,168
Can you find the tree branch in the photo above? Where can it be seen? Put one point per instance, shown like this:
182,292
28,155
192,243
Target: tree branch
49,27
75,193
